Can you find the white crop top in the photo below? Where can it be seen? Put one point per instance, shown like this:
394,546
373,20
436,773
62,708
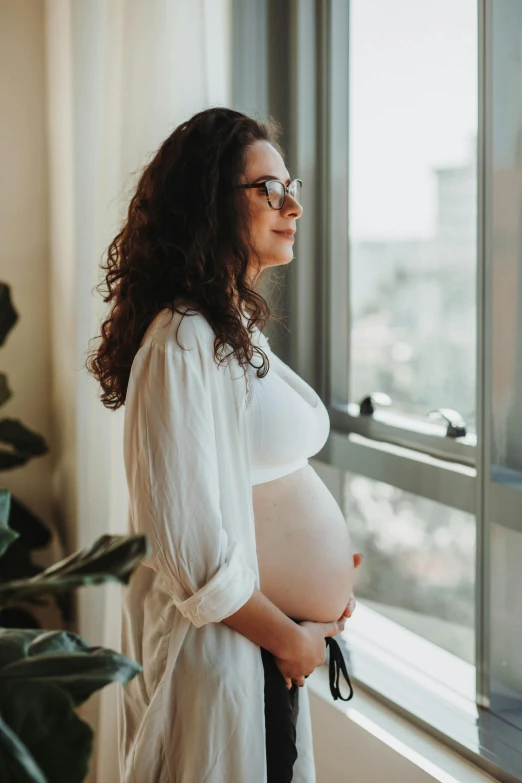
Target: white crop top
287,421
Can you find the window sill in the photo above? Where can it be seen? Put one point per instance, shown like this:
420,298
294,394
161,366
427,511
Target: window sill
431,689
388,746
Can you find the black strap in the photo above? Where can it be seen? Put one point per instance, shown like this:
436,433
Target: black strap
336,666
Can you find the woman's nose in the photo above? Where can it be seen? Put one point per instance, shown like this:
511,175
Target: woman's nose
291,207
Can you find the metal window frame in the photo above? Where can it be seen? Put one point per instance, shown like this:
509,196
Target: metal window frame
483,359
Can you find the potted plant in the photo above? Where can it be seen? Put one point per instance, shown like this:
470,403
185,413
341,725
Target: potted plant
19,445
45,675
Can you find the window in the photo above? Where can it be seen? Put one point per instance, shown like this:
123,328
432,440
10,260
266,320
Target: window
403,119
412,203
419,566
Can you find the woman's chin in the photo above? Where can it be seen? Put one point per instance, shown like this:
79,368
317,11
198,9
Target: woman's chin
281,259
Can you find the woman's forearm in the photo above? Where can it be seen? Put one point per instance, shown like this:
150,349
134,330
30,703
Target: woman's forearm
265,624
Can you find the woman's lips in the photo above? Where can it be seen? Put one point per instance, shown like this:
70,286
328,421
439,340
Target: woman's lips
286,234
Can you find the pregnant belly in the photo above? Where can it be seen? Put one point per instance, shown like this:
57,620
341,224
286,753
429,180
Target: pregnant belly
304,550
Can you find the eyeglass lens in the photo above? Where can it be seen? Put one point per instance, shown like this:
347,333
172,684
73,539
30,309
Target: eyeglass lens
276,192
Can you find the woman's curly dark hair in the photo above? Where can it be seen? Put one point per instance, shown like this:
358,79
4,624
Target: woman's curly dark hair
186,237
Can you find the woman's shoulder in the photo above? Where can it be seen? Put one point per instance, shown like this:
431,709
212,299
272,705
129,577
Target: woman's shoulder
184,328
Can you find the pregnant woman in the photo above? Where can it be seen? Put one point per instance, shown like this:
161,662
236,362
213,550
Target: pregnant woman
251,570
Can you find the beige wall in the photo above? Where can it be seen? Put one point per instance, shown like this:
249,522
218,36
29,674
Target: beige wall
24,256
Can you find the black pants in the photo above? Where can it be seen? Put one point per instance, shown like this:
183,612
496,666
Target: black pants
282,707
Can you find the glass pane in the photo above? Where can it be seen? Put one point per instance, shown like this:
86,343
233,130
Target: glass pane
419,562
412,211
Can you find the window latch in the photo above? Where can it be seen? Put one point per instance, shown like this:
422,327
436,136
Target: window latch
367,404
456,424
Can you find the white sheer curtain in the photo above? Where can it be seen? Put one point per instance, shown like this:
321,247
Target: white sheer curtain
121,74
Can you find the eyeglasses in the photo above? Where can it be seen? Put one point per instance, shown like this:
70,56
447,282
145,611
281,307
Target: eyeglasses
276,191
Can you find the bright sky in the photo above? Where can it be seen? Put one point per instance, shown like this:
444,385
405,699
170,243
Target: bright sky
413,107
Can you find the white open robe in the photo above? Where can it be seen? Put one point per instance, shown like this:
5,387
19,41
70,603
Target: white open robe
196,712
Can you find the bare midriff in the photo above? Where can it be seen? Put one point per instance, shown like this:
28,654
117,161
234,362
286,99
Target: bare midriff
304,549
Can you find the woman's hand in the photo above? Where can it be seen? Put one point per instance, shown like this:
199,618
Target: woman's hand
302,661
350,606
308,652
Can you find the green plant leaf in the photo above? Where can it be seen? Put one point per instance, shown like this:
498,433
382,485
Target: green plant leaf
34,533
7,536
16,763
8,315
5,391
19,643
109,558
5,507
43,676
10,460
80,673
24,443
42,716
64,658
17,563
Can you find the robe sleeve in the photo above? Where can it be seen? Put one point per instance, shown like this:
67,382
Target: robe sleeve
172,471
